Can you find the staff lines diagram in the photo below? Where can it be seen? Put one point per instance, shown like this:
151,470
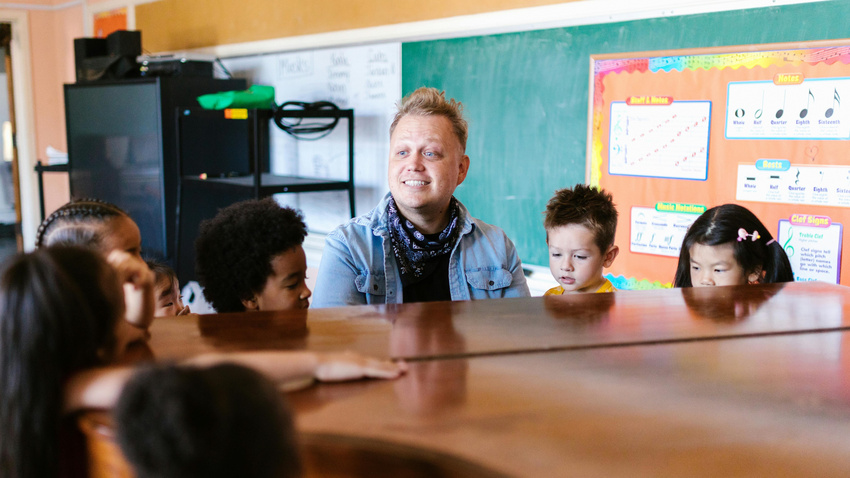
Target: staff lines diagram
662,141
810,109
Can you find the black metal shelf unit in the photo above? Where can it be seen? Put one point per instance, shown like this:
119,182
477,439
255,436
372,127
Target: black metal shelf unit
242,138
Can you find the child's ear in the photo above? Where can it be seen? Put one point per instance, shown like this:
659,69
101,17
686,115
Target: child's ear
610,255
251,304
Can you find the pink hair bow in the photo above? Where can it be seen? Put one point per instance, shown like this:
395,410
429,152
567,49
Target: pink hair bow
743,235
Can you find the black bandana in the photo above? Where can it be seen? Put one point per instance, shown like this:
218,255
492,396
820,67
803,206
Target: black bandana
417,254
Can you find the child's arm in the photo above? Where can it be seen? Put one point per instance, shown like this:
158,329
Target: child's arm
99,388
327,367
138,281
95,388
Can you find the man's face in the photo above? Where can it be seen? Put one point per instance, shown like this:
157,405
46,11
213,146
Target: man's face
426,165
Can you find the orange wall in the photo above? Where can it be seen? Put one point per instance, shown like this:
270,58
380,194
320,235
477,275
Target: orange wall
51,41
170,25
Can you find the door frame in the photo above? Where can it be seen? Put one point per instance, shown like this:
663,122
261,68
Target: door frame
19,49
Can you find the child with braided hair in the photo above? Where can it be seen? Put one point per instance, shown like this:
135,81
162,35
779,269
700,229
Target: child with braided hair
91,222
108,229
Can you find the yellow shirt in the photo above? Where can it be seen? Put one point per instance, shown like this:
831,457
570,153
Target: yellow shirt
607,286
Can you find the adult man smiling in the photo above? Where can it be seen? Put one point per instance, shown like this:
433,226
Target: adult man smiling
420,243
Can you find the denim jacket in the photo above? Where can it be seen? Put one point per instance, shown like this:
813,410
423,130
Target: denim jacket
359,267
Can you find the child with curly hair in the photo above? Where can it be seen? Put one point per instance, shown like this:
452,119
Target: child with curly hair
249,257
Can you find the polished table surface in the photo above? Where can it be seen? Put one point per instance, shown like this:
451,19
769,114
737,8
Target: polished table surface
761,406
727,381
569,322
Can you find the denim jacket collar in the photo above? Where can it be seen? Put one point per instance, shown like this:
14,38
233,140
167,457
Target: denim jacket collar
378,220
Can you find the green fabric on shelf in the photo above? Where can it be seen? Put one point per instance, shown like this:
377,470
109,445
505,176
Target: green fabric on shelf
257,96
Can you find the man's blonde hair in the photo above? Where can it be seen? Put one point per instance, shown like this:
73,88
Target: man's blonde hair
427,101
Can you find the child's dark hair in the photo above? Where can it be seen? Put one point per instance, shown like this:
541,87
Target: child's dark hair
59,309
222,421
720,225
590,207
74,223
163,273
234,250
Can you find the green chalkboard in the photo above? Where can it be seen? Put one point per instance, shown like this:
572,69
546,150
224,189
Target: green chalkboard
525,96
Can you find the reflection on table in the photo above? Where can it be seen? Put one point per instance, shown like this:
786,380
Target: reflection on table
685,382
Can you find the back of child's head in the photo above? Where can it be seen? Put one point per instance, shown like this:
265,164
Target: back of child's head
754,250
78,222
587,206
58,312
234,250
221,421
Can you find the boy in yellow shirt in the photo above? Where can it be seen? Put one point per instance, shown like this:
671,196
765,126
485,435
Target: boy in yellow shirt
580,226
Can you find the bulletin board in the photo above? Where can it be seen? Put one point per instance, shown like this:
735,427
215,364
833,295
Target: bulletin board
674,133
110,21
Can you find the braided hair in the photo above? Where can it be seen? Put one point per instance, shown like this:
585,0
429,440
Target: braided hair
76,223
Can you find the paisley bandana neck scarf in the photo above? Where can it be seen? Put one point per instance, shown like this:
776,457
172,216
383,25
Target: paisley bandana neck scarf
417,255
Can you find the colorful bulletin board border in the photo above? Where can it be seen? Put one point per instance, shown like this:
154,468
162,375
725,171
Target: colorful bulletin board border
110,21
697,127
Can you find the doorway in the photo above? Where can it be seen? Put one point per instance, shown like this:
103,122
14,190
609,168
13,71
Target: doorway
10,240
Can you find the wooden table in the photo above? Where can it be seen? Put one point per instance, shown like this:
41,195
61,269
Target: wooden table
455,329
729,381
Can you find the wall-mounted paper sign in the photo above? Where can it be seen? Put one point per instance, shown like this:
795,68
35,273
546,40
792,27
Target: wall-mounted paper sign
659,137
662,229
813,245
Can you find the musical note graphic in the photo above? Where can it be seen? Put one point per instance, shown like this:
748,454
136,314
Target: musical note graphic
789,249
758,111
781,111
836,98
805,111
